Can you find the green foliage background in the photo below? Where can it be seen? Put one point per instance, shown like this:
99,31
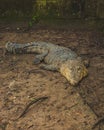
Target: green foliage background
52,8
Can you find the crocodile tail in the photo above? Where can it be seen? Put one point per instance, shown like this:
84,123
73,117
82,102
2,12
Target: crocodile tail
16,47
9,47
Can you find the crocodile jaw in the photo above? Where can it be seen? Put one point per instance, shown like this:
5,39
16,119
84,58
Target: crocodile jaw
73,76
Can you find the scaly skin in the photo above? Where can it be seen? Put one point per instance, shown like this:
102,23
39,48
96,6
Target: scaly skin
56,58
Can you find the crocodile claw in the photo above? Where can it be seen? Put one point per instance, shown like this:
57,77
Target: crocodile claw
36,61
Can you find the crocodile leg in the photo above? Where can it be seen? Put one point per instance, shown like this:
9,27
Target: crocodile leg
48,67
40,57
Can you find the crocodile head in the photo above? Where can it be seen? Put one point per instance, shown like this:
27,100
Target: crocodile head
74,71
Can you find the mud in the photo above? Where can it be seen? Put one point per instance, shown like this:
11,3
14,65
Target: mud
66,108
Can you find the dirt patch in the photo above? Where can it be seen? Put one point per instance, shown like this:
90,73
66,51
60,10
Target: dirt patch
21,82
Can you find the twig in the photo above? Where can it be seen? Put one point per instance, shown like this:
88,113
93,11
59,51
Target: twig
89,106
31,103
98,122
92,109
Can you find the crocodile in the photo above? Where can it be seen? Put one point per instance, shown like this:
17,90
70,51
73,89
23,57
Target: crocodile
55,57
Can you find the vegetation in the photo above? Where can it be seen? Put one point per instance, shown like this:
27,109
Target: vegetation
53,8
36,10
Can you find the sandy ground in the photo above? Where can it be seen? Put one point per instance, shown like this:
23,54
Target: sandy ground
66,108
